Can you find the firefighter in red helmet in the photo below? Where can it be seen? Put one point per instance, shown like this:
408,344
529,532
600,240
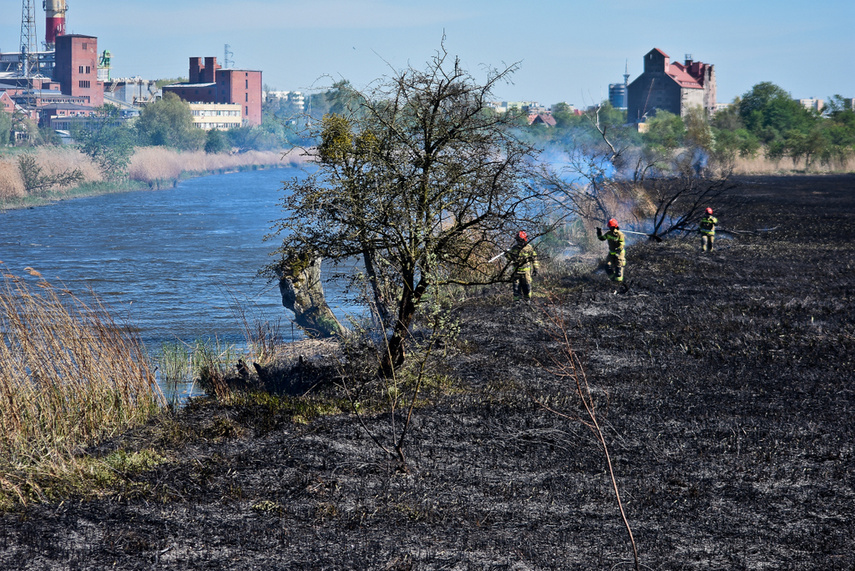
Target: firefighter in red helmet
523,258
707,229
616,259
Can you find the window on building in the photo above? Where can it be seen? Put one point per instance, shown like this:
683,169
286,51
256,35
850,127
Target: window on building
80,69
84,83
246,96
84,45
246,84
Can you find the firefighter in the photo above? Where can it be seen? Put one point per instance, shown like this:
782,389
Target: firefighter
707,230
524,260
616,260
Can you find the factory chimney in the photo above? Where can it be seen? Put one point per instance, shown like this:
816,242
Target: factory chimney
54,21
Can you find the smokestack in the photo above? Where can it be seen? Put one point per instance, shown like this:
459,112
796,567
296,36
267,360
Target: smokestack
54,21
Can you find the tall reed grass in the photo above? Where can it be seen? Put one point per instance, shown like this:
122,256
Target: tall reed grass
763,165
70,375
155,167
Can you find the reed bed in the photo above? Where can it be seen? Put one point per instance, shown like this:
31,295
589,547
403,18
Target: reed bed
156,165
11,183
70,375
763,165
55,160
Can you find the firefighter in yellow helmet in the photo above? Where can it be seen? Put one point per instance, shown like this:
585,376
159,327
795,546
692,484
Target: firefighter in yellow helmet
707,230
523,258
616,259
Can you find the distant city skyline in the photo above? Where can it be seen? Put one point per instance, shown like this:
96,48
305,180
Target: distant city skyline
567,51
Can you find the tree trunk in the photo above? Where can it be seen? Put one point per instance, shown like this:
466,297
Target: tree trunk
381,307
303,293
395,353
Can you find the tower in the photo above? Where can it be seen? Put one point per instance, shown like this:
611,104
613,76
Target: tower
29,41
54,21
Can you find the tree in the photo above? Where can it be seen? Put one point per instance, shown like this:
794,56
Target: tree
107,140
665,131
769,112
418,180
169,123
5,128
216,142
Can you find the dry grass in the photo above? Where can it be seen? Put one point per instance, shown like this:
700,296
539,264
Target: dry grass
56,160
156,165
11,184
69,376
762,165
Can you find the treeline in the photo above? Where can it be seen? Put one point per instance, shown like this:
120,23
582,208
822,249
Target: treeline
764,124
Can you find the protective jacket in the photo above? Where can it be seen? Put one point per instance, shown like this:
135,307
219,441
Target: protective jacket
523,257
707,225
616,239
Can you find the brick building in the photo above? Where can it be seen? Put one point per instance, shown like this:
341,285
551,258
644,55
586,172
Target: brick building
209,83
673,87
76,68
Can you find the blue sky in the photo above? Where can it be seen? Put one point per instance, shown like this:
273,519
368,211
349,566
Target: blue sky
568,51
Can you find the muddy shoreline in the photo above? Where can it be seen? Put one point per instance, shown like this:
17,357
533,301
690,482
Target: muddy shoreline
725,385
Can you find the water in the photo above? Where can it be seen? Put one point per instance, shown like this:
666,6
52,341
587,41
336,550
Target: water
174,263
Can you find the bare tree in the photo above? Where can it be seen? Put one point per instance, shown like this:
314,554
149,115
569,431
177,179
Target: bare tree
419,180
681,196
663,185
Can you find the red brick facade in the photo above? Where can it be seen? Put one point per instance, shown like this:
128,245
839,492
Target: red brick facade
77,68
209,83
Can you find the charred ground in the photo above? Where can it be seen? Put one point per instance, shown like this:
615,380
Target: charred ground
724,383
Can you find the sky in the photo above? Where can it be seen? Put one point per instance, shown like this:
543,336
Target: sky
567,51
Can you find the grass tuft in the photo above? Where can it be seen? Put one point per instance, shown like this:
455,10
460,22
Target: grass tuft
69,376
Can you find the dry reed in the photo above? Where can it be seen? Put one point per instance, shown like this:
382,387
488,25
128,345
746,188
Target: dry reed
11,184
763,165
69,376
56,160
155,165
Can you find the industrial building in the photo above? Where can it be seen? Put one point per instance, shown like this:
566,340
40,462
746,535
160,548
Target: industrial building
67,78
210,83
672,87
617,91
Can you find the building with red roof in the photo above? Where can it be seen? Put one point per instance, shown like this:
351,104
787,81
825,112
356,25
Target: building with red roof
541,119
673,87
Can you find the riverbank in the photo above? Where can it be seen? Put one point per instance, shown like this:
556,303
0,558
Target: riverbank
723,382
149,168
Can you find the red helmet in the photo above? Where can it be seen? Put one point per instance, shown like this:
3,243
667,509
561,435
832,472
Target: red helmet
613,223
709,210
522,235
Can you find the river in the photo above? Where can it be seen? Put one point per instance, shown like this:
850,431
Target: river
178,264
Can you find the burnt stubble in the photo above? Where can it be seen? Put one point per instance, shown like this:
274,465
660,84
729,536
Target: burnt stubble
725,388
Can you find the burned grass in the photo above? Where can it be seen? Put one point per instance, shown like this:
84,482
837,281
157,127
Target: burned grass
724,384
